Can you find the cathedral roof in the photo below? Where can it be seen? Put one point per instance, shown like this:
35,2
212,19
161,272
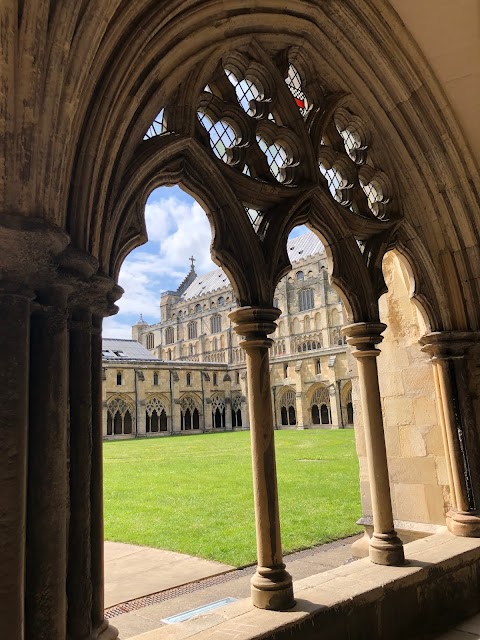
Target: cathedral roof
119,349
298,249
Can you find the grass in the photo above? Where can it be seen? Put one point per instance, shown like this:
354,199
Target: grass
193,494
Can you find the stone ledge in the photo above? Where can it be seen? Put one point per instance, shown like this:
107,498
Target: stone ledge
437,587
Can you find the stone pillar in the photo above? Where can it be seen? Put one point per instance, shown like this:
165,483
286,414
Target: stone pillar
14,358
299,409
449,351
271,585
48,491
79,579
385,546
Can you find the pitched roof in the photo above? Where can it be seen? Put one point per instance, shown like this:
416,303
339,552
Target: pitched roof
298,248
118,349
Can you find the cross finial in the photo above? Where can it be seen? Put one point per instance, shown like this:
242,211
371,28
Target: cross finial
192,260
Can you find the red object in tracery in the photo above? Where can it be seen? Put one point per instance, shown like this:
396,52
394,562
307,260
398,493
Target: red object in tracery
300,103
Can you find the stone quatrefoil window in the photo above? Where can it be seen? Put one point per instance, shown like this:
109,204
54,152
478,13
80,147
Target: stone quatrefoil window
274,124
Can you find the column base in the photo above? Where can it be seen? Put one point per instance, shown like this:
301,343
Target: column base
105,632
272,589
462,523
386,548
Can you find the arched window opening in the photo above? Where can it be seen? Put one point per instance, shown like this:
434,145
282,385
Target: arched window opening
315,414
292,418
117,424
150,341
198,308
218,412
325,414
299,275
169,335
349,413
189,379
216,323
119,378
215,379
221,301
109,425
155,378
306,299
284,416
196,419
192,330
163,421
188,420
120,414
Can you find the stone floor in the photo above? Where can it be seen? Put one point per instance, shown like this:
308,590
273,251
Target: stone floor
144,586
133,572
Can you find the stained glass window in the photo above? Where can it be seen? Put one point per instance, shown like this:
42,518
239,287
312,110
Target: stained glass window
294,83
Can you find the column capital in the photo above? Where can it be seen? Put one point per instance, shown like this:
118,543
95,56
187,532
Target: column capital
255,323
29,247
364,336
449,345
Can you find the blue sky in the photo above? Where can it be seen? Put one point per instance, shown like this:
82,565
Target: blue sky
177,228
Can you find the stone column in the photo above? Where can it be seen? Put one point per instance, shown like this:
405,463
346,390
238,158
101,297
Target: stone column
48,491
299,409
385,546
14,365
271,585
449,352
79,579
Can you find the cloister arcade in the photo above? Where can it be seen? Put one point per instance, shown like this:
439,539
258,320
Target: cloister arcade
341,116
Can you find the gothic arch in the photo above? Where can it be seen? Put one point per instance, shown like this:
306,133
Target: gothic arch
120,415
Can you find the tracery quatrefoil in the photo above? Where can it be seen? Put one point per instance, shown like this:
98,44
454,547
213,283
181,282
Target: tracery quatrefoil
273,123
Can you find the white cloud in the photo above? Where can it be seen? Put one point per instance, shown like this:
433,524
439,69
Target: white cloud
177,228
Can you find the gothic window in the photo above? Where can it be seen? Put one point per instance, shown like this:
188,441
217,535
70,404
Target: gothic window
190,349
192,330
285,370
120,416
189,379
198,308
306,299
318,367
156,416
287,408
215,346
218,412
189,414
155,378
216,323
299,275
215,379
221,301
169,335
119,378
169,354
150,341
320,407
237,377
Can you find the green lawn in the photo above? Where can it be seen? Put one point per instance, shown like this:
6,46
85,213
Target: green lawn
193,494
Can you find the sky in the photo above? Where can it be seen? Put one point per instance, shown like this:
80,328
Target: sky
177,228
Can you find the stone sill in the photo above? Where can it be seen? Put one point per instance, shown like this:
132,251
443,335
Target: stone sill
438,586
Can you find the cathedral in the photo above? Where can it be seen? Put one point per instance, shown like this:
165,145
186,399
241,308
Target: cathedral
187,373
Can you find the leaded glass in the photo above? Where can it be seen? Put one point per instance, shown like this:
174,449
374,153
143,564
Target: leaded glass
222,135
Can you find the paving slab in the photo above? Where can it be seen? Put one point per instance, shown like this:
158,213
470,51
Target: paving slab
132,571
235,584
